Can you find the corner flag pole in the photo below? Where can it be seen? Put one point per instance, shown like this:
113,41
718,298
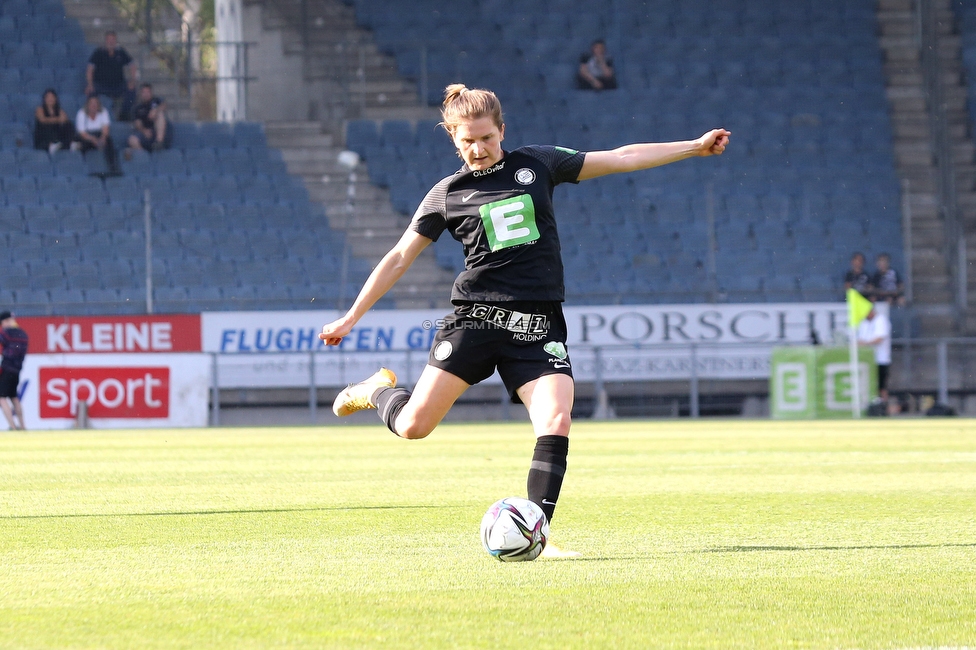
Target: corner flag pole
855,372
858,307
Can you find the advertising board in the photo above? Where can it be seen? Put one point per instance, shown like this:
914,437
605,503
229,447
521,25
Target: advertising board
118,390
112,334
640,342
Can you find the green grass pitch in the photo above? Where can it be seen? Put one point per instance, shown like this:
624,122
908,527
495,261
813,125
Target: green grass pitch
714,534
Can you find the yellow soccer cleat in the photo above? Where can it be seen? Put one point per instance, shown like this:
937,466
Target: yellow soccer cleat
553,552
357,397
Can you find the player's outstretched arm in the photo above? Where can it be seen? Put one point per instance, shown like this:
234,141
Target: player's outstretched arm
390,269
633,157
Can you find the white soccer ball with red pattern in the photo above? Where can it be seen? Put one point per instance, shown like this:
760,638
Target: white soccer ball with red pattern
514,530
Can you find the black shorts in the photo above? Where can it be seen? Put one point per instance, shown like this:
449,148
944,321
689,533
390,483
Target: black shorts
523,340
883,376
9,380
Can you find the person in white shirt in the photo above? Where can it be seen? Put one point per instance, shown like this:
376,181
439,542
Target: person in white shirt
875,330
93,126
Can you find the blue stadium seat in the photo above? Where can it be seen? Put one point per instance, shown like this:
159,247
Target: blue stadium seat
215,134
69,163
249,135
201,160
8,164
12,219
169,162
362,137
21,191
41,219
396,132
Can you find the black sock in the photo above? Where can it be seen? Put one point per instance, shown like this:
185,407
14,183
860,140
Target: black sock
389,402
547,470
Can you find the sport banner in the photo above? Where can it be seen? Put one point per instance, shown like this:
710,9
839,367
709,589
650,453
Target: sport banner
638,342
118,390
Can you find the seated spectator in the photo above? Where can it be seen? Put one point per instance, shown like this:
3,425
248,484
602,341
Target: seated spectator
94,126
856,277
596,69
885,284
150,128
53,129
106,75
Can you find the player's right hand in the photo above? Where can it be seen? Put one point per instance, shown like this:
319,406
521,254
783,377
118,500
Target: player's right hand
334,332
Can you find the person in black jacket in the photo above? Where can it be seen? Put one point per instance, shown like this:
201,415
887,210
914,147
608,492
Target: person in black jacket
14,343
53,128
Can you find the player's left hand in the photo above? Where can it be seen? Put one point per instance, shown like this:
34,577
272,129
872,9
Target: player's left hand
714,142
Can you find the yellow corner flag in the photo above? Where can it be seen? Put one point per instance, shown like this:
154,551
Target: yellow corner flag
857,307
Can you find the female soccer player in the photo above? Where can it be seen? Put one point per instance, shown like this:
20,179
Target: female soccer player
507,301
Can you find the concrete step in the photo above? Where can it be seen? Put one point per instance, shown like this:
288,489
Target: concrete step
285,127
392,85
412,113
895,5
914,152
336,181
289,144
937,324
905,130
907,103
365,219
365,215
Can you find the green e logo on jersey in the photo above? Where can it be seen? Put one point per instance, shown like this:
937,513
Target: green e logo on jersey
510,222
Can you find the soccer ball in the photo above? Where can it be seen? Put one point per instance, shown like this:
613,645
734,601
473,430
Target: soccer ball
514,530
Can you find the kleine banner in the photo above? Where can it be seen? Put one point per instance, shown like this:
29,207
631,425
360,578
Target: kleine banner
113,334
119,390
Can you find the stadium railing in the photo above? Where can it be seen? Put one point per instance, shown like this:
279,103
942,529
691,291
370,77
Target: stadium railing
673,380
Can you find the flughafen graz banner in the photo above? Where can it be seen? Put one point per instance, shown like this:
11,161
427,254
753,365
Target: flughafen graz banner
623,342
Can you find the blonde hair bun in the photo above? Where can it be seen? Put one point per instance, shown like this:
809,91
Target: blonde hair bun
462,103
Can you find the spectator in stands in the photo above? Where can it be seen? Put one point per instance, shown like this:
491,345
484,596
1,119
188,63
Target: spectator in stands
106,75
856,277
53,129
596,69
875,331
150,128
13,340
94,132
885,284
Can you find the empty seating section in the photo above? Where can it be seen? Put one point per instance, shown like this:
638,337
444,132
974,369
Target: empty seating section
231,228
966,14
809,178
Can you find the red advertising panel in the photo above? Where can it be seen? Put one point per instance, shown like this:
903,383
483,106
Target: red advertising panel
164,333
109,392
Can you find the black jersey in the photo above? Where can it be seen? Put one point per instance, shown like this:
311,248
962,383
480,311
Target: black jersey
13,340
504,218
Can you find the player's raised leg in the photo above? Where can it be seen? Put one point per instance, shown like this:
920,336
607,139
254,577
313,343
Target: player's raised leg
409,415
358,397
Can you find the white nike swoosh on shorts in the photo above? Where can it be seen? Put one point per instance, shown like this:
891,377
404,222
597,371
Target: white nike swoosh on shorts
464,199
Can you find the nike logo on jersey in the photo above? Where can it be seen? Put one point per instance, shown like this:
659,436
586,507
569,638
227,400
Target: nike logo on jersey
465,199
